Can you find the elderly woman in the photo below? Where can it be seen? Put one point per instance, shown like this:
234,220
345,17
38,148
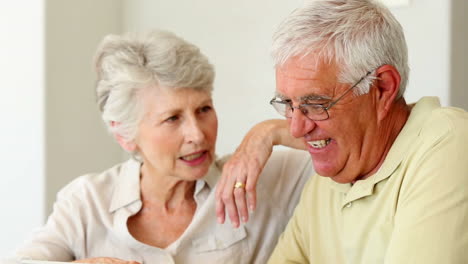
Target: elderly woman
154,92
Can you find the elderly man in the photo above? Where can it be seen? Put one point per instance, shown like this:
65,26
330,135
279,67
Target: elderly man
392,183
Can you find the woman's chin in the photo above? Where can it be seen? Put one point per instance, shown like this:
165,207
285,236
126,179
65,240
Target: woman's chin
197,172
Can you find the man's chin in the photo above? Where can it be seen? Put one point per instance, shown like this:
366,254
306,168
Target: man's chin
324,169
332,173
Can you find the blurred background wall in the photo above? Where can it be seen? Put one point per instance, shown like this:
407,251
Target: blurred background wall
76,141
51,129
22,116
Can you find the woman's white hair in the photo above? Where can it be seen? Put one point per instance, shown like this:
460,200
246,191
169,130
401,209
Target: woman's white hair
128,64
357,35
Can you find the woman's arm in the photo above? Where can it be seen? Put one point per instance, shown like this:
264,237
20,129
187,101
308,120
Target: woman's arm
245,165
63,235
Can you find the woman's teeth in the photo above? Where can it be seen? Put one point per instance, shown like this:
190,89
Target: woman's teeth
319,143
193,156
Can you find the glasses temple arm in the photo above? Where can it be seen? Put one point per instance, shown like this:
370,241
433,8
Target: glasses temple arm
356,84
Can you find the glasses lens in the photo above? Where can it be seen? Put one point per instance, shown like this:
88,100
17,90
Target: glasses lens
280,107
314,111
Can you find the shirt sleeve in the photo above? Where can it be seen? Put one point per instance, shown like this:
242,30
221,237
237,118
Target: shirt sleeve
284,177
432,214
62,233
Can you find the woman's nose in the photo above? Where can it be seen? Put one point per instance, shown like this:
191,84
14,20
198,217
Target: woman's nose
194,132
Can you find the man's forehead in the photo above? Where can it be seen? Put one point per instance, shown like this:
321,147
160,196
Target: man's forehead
303,67
305,78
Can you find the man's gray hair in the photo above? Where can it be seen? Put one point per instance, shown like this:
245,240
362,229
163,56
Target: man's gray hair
358,35
128,64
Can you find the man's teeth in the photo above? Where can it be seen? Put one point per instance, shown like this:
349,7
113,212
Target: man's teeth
319,143
193,156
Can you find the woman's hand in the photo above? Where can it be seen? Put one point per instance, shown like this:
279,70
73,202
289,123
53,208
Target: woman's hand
244,167
106,261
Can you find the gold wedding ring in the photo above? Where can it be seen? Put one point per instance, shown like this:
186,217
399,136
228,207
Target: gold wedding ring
239,185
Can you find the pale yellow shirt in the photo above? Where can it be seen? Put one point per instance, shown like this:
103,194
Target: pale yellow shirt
413,210
90,215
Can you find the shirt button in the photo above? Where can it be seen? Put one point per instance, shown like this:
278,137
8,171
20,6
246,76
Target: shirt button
348,205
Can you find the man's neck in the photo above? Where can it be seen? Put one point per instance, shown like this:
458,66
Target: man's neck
390,129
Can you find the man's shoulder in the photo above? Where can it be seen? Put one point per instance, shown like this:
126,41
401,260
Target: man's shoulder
452,117
440,149
445,122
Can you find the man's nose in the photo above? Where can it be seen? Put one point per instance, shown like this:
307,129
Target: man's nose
300,124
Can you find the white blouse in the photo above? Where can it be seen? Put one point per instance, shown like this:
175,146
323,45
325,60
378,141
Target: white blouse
90,216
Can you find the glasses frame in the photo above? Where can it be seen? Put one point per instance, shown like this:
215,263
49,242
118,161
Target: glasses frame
303,109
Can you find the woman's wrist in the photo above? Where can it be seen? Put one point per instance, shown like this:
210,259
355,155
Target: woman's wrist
277,131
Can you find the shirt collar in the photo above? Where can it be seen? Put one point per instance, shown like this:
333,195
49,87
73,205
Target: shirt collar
127,189
210,179
397,153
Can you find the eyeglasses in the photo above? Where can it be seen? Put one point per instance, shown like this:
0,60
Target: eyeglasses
315,112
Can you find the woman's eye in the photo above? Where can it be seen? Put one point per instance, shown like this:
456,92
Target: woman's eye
205,109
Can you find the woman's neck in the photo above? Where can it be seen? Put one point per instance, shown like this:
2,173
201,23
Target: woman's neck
164,191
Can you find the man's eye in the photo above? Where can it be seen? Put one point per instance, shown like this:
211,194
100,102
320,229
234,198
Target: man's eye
172,119
313,106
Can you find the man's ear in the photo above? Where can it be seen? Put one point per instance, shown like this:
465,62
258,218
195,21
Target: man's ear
388,86
129,146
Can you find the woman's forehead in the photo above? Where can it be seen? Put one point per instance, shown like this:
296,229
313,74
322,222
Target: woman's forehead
164,99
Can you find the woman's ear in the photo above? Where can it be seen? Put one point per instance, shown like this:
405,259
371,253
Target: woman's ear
388,86
129,146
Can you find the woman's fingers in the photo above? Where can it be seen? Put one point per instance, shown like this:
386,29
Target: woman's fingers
236,190
241,202
228,193
244,167
251,188
220,208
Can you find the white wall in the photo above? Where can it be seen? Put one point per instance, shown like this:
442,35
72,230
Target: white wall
76,139
51,129
427,30
21,115
236,37
53,93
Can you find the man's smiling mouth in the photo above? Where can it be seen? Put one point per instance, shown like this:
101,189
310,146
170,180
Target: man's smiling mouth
318,144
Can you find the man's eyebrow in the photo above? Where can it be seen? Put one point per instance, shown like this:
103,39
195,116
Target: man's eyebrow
314,97
310,97
281,97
